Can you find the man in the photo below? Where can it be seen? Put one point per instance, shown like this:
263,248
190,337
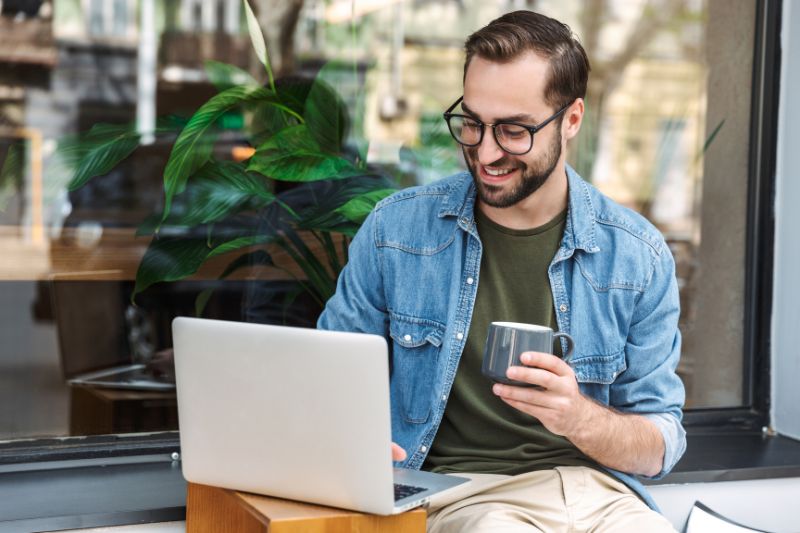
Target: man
523,238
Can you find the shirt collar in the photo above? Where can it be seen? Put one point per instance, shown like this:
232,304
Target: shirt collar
579,232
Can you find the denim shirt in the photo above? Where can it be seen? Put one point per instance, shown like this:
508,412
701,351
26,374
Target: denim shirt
412,277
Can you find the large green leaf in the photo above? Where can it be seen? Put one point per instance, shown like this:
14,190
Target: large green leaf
323,212
239,242
357,209
294,155
325,112
218,190
269,120
224,76
170,259
176,258
194,145
257,38
99,151
221,188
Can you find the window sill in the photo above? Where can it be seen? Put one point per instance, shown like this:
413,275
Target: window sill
130,490
735,456
91,493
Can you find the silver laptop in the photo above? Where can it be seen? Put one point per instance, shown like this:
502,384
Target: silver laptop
295,413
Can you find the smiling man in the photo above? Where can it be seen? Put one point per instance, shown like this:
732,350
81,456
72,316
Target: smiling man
522,238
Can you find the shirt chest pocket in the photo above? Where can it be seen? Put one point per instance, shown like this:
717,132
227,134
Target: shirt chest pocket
416,344
596,373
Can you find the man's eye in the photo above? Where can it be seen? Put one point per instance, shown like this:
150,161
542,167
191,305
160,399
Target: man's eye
472,125
513,132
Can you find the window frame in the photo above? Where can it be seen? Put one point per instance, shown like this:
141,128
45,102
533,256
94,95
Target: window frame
759,259
760,236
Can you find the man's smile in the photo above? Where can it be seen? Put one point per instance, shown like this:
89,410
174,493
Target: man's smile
494,175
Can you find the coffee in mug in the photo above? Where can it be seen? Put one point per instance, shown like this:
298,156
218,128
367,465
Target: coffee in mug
506,342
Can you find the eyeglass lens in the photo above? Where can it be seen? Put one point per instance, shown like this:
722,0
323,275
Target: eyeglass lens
510,137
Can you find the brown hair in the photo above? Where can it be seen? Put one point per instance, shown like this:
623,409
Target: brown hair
506,38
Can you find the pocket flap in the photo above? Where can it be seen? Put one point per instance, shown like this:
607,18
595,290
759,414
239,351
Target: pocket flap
412,332
599,368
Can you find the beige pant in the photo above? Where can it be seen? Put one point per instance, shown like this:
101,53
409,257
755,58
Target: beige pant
566,499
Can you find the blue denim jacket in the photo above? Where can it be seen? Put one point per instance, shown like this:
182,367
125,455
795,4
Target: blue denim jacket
413,275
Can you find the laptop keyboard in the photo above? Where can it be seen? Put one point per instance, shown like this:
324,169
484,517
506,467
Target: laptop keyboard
404,491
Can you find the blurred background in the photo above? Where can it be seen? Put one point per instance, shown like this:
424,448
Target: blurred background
666,133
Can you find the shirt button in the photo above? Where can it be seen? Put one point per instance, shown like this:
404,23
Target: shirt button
563,308
459,335
470,281
444,397
423,449
407,338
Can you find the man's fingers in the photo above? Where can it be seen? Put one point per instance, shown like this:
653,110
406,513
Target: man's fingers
546,361
523,394
533,375
398,453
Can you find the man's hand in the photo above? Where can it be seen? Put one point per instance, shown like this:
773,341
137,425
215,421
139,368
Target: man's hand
162,365
398,453
558,405
626,442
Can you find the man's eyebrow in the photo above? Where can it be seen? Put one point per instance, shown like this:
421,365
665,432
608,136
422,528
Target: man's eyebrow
519,117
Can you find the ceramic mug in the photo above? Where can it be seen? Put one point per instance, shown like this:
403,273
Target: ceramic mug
506,341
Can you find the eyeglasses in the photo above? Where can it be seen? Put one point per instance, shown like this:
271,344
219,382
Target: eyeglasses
513,137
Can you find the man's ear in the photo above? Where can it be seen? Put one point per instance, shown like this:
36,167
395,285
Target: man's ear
573,118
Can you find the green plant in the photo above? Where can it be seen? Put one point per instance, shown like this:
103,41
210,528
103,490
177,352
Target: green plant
297,133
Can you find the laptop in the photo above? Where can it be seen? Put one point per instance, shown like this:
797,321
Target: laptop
295,413
101,355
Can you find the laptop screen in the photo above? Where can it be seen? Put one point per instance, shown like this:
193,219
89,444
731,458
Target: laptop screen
91,335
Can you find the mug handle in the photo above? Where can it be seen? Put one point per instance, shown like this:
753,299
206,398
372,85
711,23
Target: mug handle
570,345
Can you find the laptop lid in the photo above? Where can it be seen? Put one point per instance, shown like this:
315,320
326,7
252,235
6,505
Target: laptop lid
296,413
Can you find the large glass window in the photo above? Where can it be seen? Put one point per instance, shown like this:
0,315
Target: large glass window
667,134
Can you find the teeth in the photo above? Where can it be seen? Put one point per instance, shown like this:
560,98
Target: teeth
497,171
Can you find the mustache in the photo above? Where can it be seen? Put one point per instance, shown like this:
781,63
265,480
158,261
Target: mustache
471,155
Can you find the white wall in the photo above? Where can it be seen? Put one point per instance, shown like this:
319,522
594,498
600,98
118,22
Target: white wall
786,292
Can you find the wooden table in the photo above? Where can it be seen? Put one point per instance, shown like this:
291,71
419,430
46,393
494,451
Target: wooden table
216,510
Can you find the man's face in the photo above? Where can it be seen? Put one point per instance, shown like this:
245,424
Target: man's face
510,91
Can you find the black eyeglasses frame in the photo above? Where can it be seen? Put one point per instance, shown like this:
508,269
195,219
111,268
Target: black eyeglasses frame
531,129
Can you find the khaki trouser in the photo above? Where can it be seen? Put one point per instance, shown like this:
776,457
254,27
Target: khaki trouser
565,499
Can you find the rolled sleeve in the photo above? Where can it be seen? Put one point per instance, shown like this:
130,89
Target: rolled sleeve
674,440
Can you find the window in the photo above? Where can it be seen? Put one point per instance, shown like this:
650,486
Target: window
676,127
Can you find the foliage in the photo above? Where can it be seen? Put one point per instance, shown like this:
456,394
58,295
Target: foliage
297,132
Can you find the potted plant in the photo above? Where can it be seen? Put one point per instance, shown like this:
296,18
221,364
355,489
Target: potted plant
295,132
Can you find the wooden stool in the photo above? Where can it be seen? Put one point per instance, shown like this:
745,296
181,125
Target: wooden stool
216,510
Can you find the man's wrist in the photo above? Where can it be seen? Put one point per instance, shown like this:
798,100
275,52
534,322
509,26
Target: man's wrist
590,416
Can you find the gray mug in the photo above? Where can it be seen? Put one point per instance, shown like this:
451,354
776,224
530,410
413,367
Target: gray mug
506,342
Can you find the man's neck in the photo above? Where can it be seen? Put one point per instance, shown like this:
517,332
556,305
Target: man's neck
537,209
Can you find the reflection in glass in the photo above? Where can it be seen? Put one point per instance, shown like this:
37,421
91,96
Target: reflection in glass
70,258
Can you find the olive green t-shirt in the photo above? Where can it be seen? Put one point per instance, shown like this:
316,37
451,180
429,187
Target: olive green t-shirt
479,432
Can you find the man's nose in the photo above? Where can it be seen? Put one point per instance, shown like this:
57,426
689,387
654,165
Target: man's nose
488,150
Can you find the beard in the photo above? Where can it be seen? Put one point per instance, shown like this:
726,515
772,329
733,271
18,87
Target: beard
531,178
